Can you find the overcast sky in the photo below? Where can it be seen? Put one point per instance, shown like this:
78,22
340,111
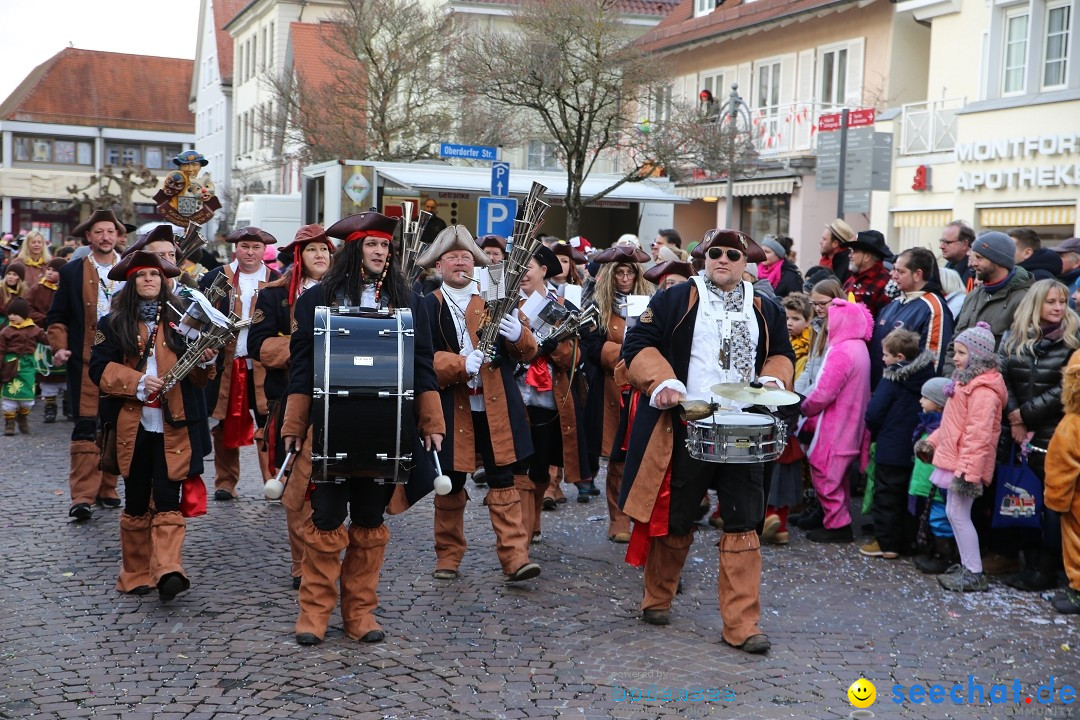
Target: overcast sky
35,30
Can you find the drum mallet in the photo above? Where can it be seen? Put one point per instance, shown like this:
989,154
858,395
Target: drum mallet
274,488
443,486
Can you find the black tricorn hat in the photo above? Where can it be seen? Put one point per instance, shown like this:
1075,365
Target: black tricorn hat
140,260
82,228
492,240
621,254
657,272
251,234
566,249
722,237
163,232
362,225
548,261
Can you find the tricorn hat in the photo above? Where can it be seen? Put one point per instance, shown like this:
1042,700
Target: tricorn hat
547,259
871,241
453,237
566,249
100,216
140,260
251,234
722,237
622,253
492,240
305,235
362,225
162,232
190,156
658,272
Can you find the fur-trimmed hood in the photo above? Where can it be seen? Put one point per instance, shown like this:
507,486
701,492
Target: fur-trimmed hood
1070,385
849,321
902,372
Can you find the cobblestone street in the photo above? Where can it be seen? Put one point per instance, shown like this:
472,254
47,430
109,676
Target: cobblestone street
555,647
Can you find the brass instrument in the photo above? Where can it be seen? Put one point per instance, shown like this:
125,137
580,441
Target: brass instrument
190,244
506,276
586,319
412,232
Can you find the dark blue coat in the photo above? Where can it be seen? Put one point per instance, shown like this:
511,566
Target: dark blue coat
893,412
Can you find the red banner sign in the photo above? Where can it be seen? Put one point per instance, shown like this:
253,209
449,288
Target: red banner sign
860,118
829,123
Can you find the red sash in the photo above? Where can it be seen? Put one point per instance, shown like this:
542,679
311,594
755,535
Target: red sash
238,428
193,497
539,375
637,552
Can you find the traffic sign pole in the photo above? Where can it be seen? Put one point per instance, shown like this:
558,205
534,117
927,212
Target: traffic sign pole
843,161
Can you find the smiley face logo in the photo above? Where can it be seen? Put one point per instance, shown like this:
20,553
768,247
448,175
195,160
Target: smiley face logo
862,693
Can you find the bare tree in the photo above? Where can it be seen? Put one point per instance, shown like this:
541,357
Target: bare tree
372,88
570,71
121,198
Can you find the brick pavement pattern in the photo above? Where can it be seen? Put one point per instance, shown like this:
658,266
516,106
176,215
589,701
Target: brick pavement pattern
72,647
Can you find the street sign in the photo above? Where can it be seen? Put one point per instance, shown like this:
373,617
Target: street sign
857,201
468,152
500,179
829,123
860,118
495,216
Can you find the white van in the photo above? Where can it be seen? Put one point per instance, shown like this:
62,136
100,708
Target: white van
278,215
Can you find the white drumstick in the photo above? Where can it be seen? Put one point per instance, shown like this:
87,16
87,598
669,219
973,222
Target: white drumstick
442,482
274,488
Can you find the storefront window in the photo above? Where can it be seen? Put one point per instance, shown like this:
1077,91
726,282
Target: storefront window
761,215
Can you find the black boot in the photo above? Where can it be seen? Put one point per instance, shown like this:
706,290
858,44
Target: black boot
1034,577
941,557
50,409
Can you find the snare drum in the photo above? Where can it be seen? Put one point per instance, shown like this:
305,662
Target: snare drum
736,437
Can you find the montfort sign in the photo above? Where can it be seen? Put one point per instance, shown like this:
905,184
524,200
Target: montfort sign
1011,150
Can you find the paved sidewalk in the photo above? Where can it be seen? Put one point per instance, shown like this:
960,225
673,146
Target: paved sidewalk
566,645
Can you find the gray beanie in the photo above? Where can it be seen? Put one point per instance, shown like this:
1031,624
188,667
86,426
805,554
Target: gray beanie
979,340
997,247
774,245
934,390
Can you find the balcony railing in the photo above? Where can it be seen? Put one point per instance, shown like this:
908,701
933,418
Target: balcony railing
788,129
929,127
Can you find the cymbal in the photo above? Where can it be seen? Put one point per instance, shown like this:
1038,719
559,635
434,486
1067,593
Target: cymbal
754,394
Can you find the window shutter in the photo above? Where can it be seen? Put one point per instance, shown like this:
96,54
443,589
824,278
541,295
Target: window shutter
804,92
854,89
787,79
746,73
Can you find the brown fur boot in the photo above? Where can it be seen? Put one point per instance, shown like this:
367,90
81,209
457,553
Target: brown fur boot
23,421
319,590
360,582
136,547
167,532
511,540
739,589
667,555
618,521
526,492
449,534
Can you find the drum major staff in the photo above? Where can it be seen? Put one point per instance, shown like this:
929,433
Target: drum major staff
159,441
707,331
268,341
365,273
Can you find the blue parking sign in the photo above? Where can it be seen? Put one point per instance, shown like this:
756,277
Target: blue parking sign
495,216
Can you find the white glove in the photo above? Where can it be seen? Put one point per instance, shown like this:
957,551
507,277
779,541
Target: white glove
510,327
473,361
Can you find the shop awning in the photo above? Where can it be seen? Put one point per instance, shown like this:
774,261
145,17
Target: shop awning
1027,216
743,188
921,218
478,180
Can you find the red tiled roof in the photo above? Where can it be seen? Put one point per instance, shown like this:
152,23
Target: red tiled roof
629,7
224,11
89,87
680,27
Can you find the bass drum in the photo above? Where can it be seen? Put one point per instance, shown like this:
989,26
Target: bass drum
364,424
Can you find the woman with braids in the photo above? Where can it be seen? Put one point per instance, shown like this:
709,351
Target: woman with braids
268,341
365,273
158,439
621,275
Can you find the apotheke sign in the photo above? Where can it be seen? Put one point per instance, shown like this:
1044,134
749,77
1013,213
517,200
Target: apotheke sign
1019,148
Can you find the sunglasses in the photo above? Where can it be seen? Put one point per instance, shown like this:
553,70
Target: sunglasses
733,255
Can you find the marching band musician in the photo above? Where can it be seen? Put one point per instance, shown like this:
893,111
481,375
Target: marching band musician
621,275
83,297
484,410
365,273
232,402
159,442
692,336
552,389
268,341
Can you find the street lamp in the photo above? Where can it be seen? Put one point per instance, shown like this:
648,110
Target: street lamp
738,112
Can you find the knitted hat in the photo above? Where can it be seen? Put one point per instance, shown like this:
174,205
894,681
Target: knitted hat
773,244
997,247
19,306
978,340
934,390
18,268
56,263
